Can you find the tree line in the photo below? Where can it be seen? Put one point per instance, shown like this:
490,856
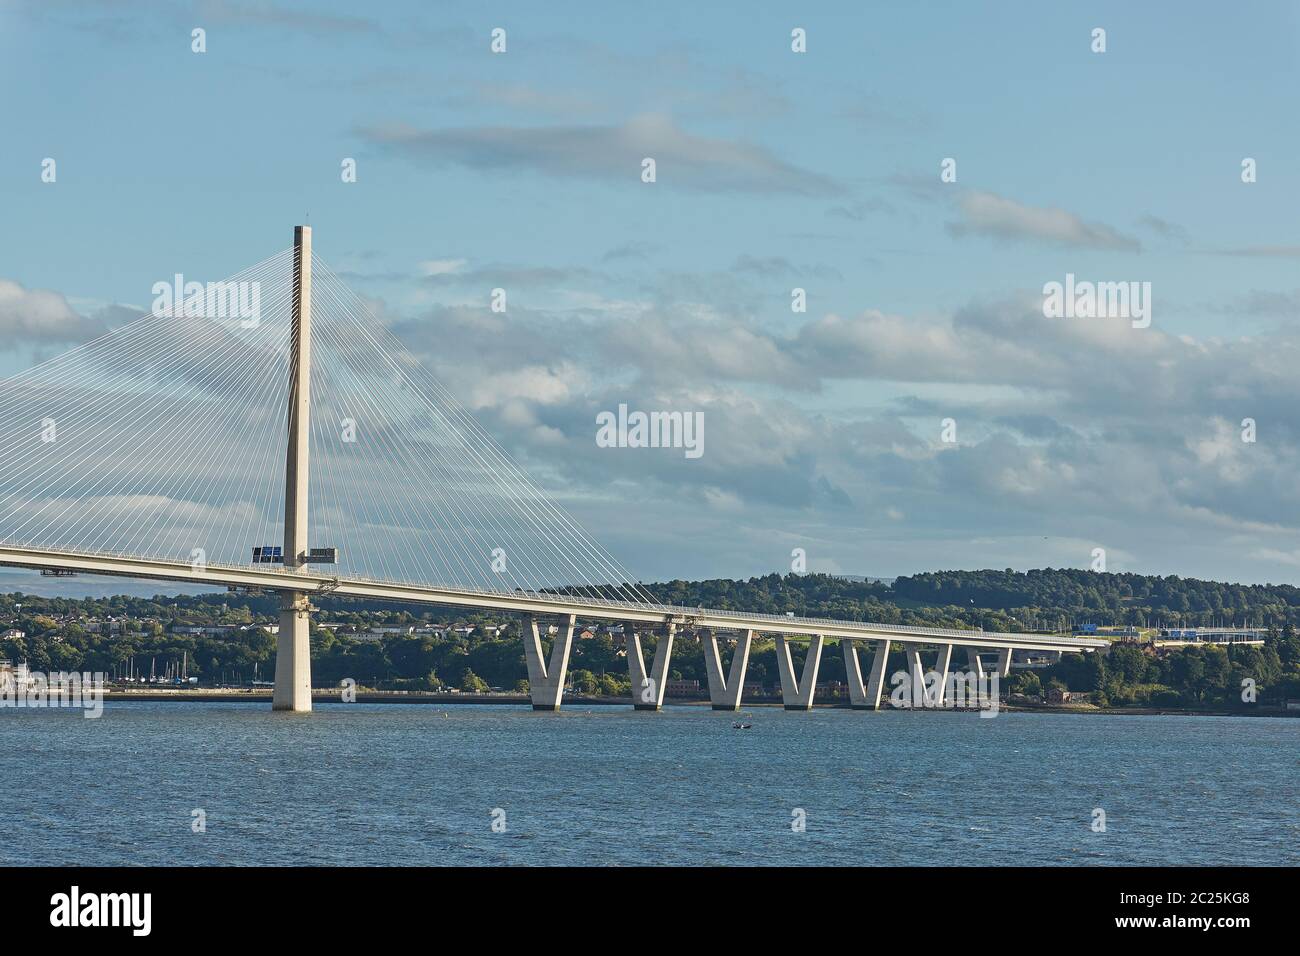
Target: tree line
992,600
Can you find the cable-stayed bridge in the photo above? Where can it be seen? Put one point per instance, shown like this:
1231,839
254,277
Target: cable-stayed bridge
158,451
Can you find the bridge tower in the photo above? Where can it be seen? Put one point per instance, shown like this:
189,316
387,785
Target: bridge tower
293,648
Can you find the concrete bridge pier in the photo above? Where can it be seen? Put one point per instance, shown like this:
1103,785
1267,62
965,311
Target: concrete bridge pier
975,663
648,690
1004,662
724,693
916,672
546,681
865,696
797,694
942,665
293,655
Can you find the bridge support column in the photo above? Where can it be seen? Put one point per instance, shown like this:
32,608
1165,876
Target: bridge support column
865,696
916,671
292,646
725,693
293,654
797,694
941,666
1004,662
546,682
975,663
648,691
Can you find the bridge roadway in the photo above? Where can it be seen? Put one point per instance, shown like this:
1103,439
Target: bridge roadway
527,602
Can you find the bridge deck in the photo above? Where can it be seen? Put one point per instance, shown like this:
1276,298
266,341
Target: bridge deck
530,602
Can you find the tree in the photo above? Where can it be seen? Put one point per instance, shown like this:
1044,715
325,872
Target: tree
1188,672
472,683
611,686
1288,649
1218,672
1128,663
1097,673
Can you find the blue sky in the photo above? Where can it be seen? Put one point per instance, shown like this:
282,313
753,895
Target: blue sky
775,170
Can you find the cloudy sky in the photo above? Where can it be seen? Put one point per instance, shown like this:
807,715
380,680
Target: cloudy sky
775,170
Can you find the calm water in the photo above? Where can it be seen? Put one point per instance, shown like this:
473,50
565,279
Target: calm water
367,784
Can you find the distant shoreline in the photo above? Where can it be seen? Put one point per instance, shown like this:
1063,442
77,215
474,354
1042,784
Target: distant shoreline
578,700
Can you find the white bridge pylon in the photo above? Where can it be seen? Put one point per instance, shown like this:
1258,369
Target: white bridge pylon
162,450
293,645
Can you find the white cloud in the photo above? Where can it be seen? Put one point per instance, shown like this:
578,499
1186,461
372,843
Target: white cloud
441,267
38,315
607,152
988,214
